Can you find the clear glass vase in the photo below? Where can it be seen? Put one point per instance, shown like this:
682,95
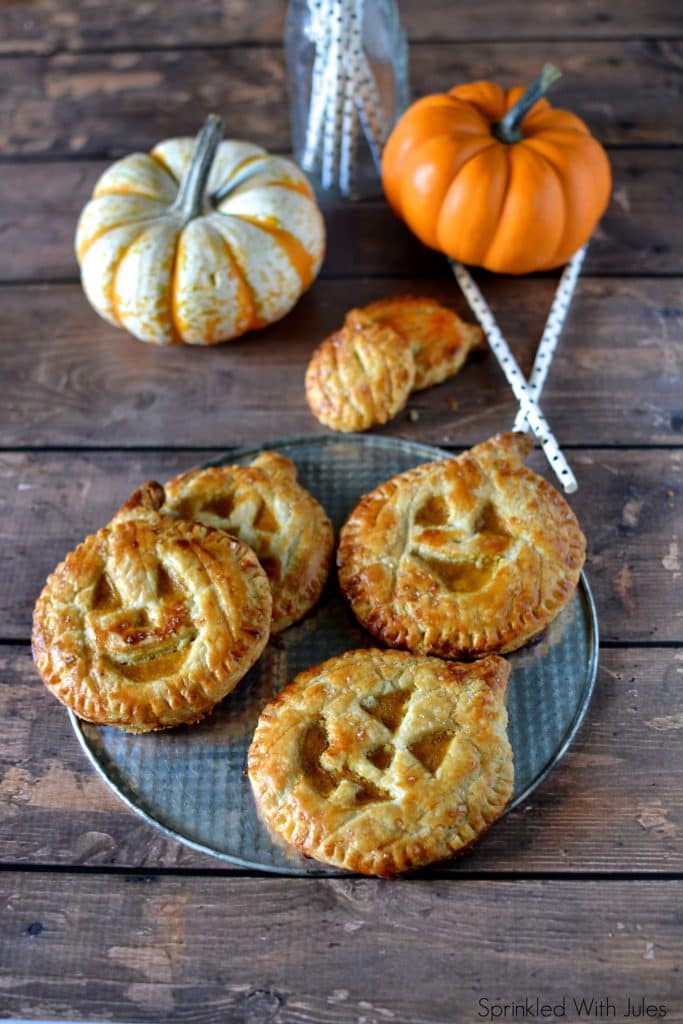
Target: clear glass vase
347,67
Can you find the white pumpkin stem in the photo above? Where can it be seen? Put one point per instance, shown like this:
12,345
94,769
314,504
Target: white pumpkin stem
189,201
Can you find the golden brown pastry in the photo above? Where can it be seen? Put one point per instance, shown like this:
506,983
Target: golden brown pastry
151,620
439,339
381,761
359,377
263,505
464,557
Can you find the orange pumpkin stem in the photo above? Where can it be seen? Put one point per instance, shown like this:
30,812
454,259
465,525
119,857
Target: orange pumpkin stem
191,192
507,129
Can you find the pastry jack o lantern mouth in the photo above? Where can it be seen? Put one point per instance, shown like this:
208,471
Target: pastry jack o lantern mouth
459,561
144,654
142,644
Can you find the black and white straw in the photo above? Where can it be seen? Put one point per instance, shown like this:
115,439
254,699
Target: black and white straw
345,100
515,378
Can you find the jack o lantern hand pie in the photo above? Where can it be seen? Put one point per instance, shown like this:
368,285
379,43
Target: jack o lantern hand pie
152,620
381,762
464,557
362,375
263,505
440,341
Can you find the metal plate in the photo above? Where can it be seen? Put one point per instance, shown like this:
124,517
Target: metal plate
190,782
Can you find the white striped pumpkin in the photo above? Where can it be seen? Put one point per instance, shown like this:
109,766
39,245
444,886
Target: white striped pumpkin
198,242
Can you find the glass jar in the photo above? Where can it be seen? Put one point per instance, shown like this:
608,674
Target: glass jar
347,67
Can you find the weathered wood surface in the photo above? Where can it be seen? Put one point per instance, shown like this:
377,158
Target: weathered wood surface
42,26
628,502
217,950
83,83
56,811
614,379
40,204
105,105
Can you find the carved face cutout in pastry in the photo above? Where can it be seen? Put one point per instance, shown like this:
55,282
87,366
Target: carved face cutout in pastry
464,557
152,620
265,507
140,618
380,761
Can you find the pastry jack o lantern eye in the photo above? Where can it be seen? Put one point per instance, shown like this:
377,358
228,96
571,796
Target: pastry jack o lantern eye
381,761
152,620
464,557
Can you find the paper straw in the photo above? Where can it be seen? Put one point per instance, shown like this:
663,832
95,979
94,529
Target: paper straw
335,95
320,32
344,96
515,377
370,109
552,330
349,129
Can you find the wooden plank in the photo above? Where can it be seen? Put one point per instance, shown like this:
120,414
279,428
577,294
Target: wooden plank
42,26
325,952
615,379
106,105
626,502
40,204
615,802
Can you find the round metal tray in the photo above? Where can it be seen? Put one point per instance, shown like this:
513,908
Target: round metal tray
190,783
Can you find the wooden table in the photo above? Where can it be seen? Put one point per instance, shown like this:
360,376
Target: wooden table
577,893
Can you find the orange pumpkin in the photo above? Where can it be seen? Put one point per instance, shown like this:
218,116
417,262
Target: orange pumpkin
497,178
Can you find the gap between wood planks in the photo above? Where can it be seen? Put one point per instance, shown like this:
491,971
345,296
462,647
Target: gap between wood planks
147,875
96,156
275,42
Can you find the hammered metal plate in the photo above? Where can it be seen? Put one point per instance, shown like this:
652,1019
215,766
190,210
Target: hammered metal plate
190,783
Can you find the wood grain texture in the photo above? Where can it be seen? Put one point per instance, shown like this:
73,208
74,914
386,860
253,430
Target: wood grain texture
628,502
105,105
614,803
40,205
614,379
327,952
42,26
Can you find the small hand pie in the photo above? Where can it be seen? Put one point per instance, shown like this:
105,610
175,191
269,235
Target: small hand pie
380,761
439,339
151,620
263,505
359,377
469,556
